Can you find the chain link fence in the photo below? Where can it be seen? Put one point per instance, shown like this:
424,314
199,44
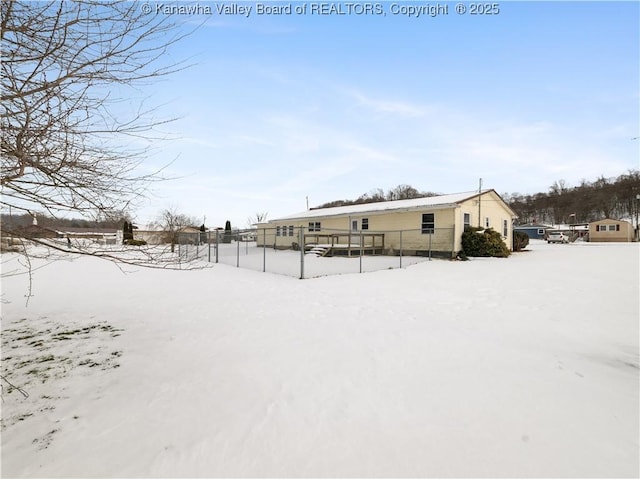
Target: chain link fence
300,253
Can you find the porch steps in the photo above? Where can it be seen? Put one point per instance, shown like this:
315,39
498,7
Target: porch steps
319,250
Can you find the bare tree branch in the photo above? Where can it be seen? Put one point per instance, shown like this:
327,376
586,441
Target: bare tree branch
66,69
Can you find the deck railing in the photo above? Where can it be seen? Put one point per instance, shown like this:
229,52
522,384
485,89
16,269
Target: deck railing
349,242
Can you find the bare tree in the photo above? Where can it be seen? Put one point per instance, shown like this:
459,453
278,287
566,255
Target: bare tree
373,196
172,223
66,67
400,192
258,217
70,75
406,192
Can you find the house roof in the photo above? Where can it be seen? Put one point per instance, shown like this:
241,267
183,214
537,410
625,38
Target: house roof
441,201
82,230
609,220
531,225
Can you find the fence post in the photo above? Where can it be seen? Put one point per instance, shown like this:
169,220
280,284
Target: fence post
400,249
361,251
209,245
237,252
300,242
264,250
217,245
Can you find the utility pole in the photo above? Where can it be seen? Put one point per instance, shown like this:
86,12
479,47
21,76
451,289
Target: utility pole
479,205
637,208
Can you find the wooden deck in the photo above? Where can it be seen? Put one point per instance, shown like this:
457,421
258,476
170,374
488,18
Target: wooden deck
346,244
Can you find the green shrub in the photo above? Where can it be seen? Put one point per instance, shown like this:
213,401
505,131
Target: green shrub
461,256
484,243
520,240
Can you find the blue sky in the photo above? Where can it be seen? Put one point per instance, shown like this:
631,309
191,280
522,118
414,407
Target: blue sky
283,107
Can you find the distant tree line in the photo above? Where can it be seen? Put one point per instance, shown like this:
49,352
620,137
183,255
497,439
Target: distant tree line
589,201
14,221
400,192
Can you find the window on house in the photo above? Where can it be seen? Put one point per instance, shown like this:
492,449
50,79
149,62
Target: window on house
467,220
277,231
314,226
354,225
540,231
365,223
486,222
290,230
613,227
505,228
428,223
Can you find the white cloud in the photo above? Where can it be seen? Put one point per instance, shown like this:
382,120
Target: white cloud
393,107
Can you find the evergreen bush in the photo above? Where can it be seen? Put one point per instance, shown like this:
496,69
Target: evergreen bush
520,240
226,238
483,243
127,232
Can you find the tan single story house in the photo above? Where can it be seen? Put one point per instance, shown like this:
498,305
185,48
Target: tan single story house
99,235
609,230
152,237
415,226
185,235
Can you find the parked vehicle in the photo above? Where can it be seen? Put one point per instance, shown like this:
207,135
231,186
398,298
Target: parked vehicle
557,237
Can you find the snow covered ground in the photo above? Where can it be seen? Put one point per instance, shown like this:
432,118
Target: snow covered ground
526,366
288,262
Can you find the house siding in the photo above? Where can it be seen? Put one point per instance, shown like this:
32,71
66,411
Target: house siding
622,234
492,207
152,237
532,231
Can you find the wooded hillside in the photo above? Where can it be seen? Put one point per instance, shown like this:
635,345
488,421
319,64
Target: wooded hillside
617,198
